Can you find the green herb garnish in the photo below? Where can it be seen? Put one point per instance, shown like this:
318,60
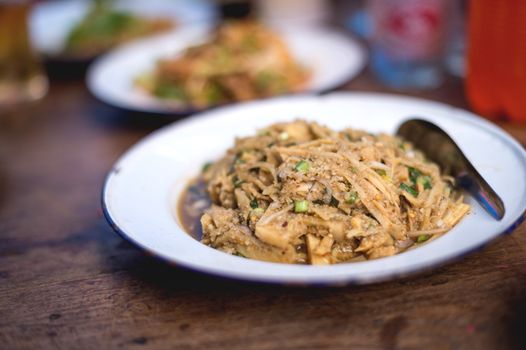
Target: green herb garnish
413,174
409,189
283,136
422,238
270,82
254,203
425,181
206,167
169,91
381,172
416,177
351,197
302,166
301,206
264,133
236,181
257,211
213,93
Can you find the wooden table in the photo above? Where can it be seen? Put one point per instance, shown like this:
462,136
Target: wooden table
68,282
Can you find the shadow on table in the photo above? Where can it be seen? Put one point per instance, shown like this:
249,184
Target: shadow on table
516,319
244,303
169,279
448,300
112,117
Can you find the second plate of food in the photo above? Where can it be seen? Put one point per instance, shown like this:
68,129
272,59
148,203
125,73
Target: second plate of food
77,31
311,190
192,69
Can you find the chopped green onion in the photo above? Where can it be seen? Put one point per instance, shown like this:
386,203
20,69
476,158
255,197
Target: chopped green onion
236,181
422,238
425,181
413,174
334,202
381,172
271,82
146,81
239,254
264,79
257,211
206,167
302,166
354,170
212,93
409,189
254,203
264,133
301,206
348,137
169,91
351,197
283,136
238,156
401,145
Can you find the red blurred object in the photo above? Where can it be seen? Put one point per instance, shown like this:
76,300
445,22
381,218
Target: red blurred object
496,59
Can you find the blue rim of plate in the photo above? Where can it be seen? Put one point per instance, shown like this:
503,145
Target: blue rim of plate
350,281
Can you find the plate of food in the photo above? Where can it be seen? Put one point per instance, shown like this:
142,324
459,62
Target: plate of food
311,190
192,70
80,30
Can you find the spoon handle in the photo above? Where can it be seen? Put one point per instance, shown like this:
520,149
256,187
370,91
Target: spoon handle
483,193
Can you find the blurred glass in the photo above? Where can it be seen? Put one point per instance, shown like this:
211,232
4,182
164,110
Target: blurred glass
496,64
455,60
21,76
408,41
293,12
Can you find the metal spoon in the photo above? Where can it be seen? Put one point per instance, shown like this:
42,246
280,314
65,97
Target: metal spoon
438,146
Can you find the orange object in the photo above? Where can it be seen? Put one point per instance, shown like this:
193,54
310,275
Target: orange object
496,59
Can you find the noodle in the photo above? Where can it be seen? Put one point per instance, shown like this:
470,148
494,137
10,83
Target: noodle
319,196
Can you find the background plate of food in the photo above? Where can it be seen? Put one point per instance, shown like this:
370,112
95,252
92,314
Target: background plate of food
191,70
311,190
80,30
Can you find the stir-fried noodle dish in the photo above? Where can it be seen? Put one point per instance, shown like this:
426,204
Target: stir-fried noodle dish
300,192
242,61
104,27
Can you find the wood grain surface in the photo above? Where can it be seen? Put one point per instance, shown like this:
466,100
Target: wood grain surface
68,282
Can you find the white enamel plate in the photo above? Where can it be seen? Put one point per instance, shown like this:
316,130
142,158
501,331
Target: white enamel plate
141,191
332,58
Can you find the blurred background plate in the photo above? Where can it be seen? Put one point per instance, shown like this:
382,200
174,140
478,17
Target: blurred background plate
141,192
50,22
333,59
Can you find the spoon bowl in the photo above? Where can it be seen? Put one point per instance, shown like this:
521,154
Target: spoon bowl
439,147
